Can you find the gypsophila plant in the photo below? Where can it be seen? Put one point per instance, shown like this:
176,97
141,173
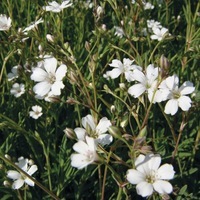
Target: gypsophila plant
99,99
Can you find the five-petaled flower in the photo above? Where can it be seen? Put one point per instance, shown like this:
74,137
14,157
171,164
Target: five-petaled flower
5,23
126,68
17,89
86,153
49,77
149,176
159,33
18,177
56,7
177,96
147,82
92,129
36,112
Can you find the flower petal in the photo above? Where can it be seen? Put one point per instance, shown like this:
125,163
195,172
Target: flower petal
186,88
105,139
79,161
12,174
39,75
42,88
136,90
32,169
184,103
88,120
80,133
18,184
60,72
162,187
29,181
171,107
56,88
166,172
144,189
134,177
103,125
50,64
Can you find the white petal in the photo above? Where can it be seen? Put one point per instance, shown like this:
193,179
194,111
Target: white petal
151,72
172,82
166,172
103,125
80,133
42,88
12,174
39,75
134,177
92,144
136,90
154,161
88,120
32,169
116,63
144,189
18,184
139,76
79,161
114,73
60,72
162,187
184,103
81,147
50,64
171,107
186,88
105,139
29,181
56,88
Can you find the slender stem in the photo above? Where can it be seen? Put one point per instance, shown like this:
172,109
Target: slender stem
30,177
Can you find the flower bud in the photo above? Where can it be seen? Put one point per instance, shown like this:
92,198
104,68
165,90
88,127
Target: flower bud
143,132
124,121
164,65
50,38
114,131
112,109
99,11
70,133
6,184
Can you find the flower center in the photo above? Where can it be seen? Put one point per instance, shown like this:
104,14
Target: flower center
51,78
152,177
176,94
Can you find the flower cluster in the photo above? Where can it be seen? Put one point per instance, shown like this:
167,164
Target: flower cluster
150,82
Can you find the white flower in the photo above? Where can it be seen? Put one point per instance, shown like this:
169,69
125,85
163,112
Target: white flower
5,22
177,96
153,24
149,177
36,112
33,25
48,77
56,7
86,153
96,131
17,89
119,31
159,33
147,82
148,6
119,68
14,73
19,178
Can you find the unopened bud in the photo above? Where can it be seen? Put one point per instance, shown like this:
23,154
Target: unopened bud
7,156
164,65
99,11
114,131
143,132
31,162
112,109
50,38
70,133
6,184
124,121
122,86
87,46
